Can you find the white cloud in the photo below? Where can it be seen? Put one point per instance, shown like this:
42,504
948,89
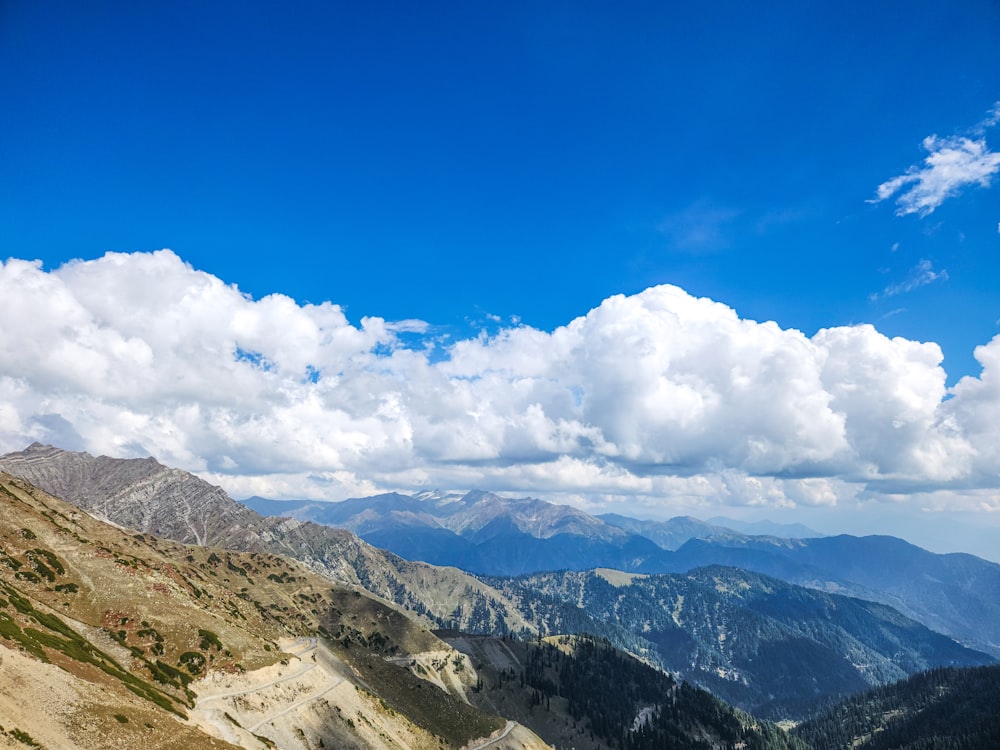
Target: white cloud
992,118
951,164
920,275
407,326
654,398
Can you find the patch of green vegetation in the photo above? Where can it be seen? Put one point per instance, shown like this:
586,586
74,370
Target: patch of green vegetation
236,568
50,558
193,661
67,588
9,630
168,675
27,575
28,534
121,718
209,640
148,632
9,561
24,738
58,636
44,571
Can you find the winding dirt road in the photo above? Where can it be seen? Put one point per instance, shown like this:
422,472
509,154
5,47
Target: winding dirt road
310,656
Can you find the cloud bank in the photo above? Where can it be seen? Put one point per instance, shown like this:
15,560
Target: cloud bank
655,397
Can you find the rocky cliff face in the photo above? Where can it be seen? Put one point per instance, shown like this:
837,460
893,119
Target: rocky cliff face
140,494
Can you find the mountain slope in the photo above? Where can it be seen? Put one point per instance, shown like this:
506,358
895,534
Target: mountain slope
131,623
943,708
143,494
766,646
956,594
123,634
581,692
761,644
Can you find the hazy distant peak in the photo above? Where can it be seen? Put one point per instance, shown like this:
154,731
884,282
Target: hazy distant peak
768,528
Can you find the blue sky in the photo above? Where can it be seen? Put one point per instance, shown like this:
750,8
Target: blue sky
495,166
451,160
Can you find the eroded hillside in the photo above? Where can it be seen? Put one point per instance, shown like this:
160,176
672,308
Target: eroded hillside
112,634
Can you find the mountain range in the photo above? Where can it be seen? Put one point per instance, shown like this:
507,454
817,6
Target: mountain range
772,648
749,647
481,532
113,638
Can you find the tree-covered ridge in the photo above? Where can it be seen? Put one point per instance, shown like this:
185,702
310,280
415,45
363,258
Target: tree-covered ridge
942,709
769,647
631,706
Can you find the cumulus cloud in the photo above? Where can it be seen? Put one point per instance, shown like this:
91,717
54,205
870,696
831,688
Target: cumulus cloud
951,165
652,398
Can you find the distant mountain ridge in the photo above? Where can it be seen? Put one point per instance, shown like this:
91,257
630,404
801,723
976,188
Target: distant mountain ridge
955,594
769,647
485,533
672,533
480,532
767,528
